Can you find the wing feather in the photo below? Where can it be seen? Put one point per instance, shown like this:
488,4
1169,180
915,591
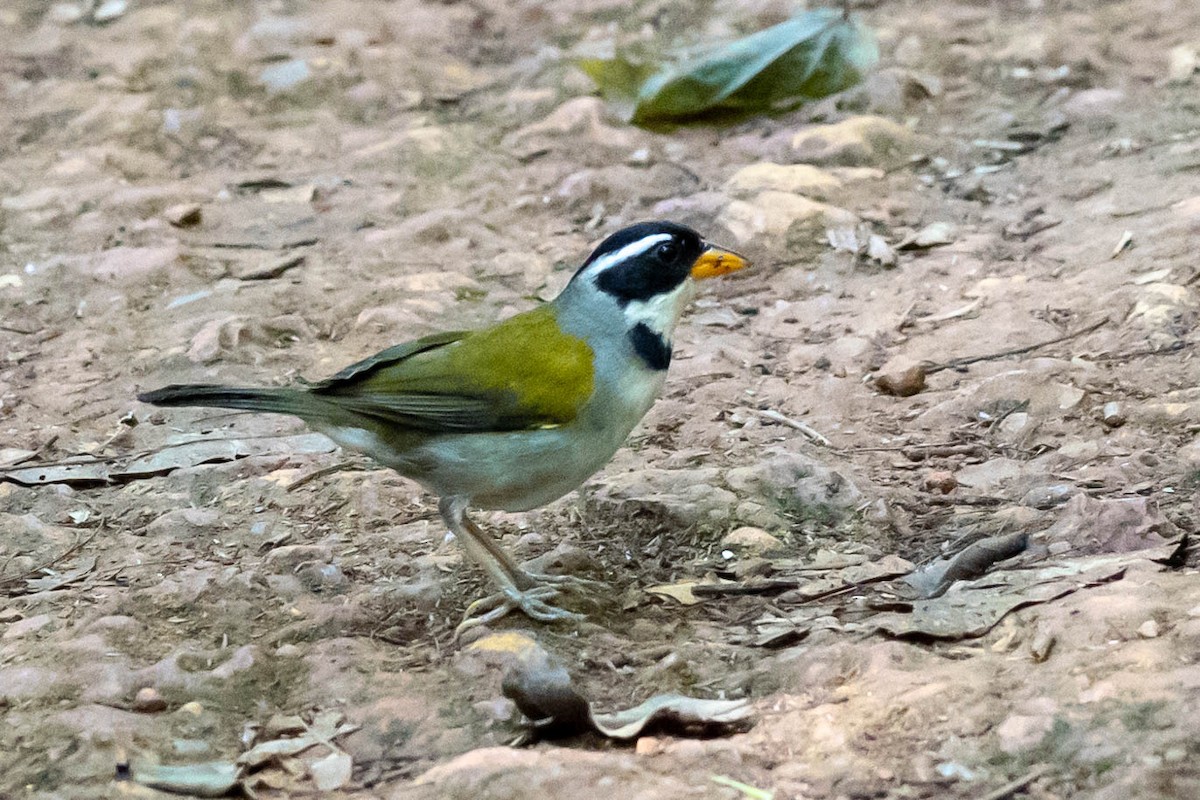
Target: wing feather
523,373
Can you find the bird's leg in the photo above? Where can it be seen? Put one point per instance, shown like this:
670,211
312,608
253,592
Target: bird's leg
518,590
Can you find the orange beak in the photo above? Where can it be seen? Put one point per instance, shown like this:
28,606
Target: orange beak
716,261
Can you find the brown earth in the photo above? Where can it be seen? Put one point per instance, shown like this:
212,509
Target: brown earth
253,193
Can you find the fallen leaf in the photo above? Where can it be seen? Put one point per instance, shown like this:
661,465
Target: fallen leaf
681,591
208,779
814,55
935,578
56,581
542,689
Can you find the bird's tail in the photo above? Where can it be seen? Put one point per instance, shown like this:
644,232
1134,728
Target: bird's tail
282,401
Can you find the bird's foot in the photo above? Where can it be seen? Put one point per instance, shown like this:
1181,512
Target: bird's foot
569,582
531,602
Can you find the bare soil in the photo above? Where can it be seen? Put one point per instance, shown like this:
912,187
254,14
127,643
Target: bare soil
251,193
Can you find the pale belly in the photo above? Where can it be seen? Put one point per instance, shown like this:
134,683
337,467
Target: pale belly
516,470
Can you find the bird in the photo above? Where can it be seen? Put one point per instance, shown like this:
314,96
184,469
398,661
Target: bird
513,416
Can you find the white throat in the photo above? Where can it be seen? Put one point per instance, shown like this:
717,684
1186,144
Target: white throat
661,312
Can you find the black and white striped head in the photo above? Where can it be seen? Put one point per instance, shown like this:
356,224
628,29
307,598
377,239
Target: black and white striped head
649,270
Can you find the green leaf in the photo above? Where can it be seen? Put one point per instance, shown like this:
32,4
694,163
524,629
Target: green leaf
811,56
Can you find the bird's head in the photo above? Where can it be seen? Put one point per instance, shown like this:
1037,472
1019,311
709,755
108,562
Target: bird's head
649,270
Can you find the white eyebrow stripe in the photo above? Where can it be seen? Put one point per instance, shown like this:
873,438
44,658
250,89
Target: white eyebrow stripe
628,251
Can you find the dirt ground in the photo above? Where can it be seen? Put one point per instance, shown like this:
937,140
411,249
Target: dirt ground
251,193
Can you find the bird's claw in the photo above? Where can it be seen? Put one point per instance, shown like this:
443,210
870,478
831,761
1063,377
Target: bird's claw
530,602
563,581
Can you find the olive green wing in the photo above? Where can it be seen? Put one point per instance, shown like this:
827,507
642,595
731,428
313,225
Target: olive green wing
523,373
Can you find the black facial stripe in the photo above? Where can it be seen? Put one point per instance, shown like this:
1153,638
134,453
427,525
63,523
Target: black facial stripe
660,267
650,347
640,280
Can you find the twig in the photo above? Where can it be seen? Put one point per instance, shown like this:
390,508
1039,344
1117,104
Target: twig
803,427
932,367
321,473
1014,786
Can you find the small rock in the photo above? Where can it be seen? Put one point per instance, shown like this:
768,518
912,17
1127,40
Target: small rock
291,556
331,772
940,481
855,141
148,700
193,707
27,626
902,384
1194,612
183,215
184,523
1148,629
1182,63
1043,642
498,709
285,76
753,541
109,10
1043,497
648,746
795,178
283,725
772,213
288,651
8,615
934,234
130,263
1113,416
1020,732
991,474
65,13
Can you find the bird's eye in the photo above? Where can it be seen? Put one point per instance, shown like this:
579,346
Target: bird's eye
667,252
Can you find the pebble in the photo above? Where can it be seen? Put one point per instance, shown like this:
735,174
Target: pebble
184,215
1043,497
148,700
795,178
288,75
902,384
1148,629
1113,416
940,481
752,541
855,141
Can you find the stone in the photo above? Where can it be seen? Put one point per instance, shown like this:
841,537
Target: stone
183,215
130,263
148,700
185,523
25,627
1097,102
1148,629
1022,731
799,486
857,141
752,541
1043,497
802,179
940,480
285,76
1183,61
991,474
772,213
289,557
684,496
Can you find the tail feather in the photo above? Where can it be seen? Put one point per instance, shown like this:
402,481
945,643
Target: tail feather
282,401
